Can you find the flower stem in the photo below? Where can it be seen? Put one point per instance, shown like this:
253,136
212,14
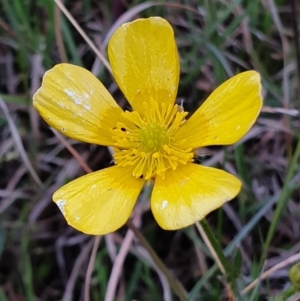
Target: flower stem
216,253
174,284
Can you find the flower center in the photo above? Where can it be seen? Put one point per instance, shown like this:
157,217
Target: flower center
147,142
153,137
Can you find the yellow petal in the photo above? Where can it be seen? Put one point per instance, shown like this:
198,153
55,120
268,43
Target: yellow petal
144,59
72,100
227,115
99,202
189,193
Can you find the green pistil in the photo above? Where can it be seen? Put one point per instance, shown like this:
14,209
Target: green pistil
153,137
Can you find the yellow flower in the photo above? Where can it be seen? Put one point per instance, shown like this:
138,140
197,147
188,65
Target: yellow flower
154,140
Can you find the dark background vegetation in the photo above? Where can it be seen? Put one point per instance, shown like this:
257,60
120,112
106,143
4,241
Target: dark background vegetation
42,258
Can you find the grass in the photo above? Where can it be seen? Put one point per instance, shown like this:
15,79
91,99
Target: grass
42,258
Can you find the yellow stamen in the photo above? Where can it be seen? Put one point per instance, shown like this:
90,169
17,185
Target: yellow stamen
146,142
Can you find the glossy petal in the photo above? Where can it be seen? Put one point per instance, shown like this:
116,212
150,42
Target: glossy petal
100,202
189,193
144,59
227,115
72,100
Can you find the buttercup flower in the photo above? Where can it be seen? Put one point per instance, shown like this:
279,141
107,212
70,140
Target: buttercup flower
153,141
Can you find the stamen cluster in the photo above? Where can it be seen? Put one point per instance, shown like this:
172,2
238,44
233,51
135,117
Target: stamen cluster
146,142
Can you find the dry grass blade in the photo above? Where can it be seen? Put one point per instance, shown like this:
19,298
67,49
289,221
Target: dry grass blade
283,264
294,298
132,12
87,283
83,34
10,194
72,150
119,261
19,144
58,35
291,112
127,16
68,294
